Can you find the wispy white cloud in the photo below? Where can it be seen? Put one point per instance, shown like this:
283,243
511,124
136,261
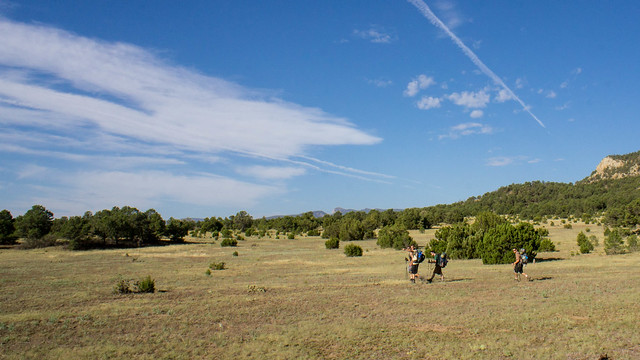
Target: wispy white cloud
466,129
503,96
129,113
451,16
375,34
428,102
95,190
470,99
476,114
499,161
420,83
382,83
426,11
155,101
271,172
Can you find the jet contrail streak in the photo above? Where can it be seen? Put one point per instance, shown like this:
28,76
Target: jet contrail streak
426,11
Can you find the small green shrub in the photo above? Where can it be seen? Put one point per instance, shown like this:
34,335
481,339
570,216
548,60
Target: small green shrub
632,243
235,253
291,236
122,287
226,233
546,245
332,243
568,226
146,285
36,243
585,245
313,232
217,266
252,289
613,242
229,242
594,240
208,272
352,250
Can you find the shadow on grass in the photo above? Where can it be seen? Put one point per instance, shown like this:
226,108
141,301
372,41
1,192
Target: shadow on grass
548,259
542,278
457,280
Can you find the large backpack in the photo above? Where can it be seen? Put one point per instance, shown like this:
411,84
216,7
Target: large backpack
442,261
419,257
524,257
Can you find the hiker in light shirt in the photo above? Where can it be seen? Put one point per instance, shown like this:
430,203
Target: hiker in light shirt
518,266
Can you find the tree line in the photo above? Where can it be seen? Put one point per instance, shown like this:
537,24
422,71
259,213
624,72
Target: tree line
119,227
615,202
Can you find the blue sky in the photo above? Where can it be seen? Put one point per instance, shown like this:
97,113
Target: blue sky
206,108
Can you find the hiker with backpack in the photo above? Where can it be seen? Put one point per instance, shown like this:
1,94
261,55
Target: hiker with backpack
440,261
518,265
415,258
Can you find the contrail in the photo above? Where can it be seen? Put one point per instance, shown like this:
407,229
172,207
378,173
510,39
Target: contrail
426,11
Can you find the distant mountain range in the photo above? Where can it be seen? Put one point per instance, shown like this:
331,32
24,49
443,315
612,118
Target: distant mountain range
320,213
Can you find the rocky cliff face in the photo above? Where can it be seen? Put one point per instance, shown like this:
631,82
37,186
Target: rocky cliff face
616,167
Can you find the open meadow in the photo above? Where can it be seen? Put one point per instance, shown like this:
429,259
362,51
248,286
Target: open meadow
294,299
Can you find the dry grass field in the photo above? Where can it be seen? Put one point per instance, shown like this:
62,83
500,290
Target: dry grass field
294,299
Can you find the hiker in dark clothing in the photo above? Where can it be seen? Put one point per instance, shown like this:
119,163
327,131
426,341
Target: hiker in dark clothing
518,266
437,269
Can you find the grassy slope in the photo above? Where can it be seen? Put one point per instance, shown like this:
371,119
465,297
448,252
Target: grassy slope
317,304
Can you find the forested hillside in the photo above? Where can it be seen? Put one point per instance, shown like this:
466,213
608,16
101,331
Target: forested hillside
612,190
611,194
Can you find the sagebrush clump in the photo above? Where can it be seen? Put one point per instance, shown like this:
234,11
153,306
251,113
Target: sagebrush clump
352,250
145,285
228,242
217,266
332,243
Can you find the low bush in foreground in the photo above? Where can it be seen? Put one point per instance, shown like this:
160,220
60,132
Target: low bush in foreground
217,266
229,242
332,243
352,250
145,285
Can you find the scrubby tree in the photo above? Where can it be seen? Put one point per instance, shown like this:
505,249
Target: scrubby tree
212,225
632,243
498,242
242,221
394,236
7,228
457,241
35,223
177,229
332,243
352,250
613,242
547,245
77,230
351,229
585,245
